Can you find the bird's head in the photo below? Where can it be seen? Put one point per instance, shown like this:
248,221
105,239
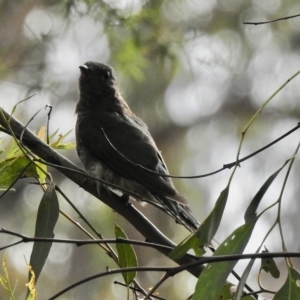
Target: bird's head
98,89
96,78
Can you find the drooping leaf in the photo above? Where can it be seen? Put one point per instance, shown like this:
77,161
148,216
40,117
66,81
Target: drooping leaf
291,288
190,242
127,256
269,265
47,217
225,293
249,216
242,281
41,171
214,276
205,232
250,213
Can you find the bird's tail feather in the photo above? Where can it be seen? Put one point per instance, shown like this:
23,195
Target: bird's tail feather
181,213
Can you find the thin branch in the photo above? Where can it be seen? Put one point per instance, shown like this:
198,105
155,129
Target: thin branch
109,272
228,166
129,212
136,290
172,271
124,190
272,21
225,166
11,245
157,285
34,159
26,125
107,248
27,239
48,122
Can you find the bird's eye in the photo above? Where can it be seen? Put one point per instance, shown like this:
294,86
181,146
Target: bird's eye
107,76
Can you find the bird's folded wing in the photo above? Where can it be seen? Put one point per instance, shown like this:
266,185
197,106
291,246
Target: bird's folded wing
124,145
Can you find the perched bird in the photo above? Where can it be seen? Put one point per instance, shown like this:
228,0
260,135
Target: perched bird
116,146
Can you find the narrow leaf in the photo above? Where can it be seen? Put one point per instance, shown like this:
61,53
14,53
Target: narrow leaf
190,242
291,288
269,265
127,256
58,144
41,170
51,137
242,282
47,217
214,276
250,213
205,232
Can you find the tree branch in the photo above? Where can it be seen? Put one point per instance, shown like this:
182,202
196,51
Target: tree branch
129,212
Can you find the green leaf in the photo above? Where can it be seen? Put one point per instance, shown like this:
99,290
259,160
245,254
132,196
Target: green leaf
205,232
58,143
127,257
47,217
14,151
41,171
191,242
226,293
51,137
240,288
291,288
214,276
269,265
250,213
12,168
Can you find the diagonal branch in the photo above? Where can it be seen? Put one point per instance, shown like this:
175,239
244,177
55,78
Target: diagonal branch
129,212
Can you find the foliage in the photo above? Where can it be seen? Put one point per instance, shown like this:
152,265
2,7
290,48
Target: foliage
4,280
170,55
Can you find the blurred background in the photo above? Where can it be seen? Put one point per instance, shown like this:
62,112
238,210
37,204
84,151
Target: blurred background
196,75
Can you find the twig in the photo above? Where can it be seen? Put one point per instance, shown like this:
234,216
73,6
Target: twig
129,212
172,271
225,166
272,21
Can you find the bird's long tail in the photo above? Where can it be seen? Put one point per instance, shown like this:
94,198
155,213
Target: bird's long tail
181,213
187,217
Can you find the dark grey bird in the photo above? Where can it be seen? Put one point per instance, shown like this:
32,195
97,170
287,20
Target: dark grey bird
116,146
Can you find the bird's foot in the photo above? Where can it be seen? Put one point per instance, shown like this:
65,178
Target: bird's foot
125,198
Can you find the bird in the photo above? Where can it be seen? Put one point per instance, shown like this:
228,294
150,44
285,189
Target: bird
116,146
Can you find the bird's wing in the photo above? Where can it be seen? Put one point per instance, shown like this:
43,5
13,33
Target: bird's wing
124,145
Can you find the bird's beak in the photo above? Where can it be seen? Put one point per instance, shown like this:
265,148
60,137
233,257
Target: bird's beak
83,68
